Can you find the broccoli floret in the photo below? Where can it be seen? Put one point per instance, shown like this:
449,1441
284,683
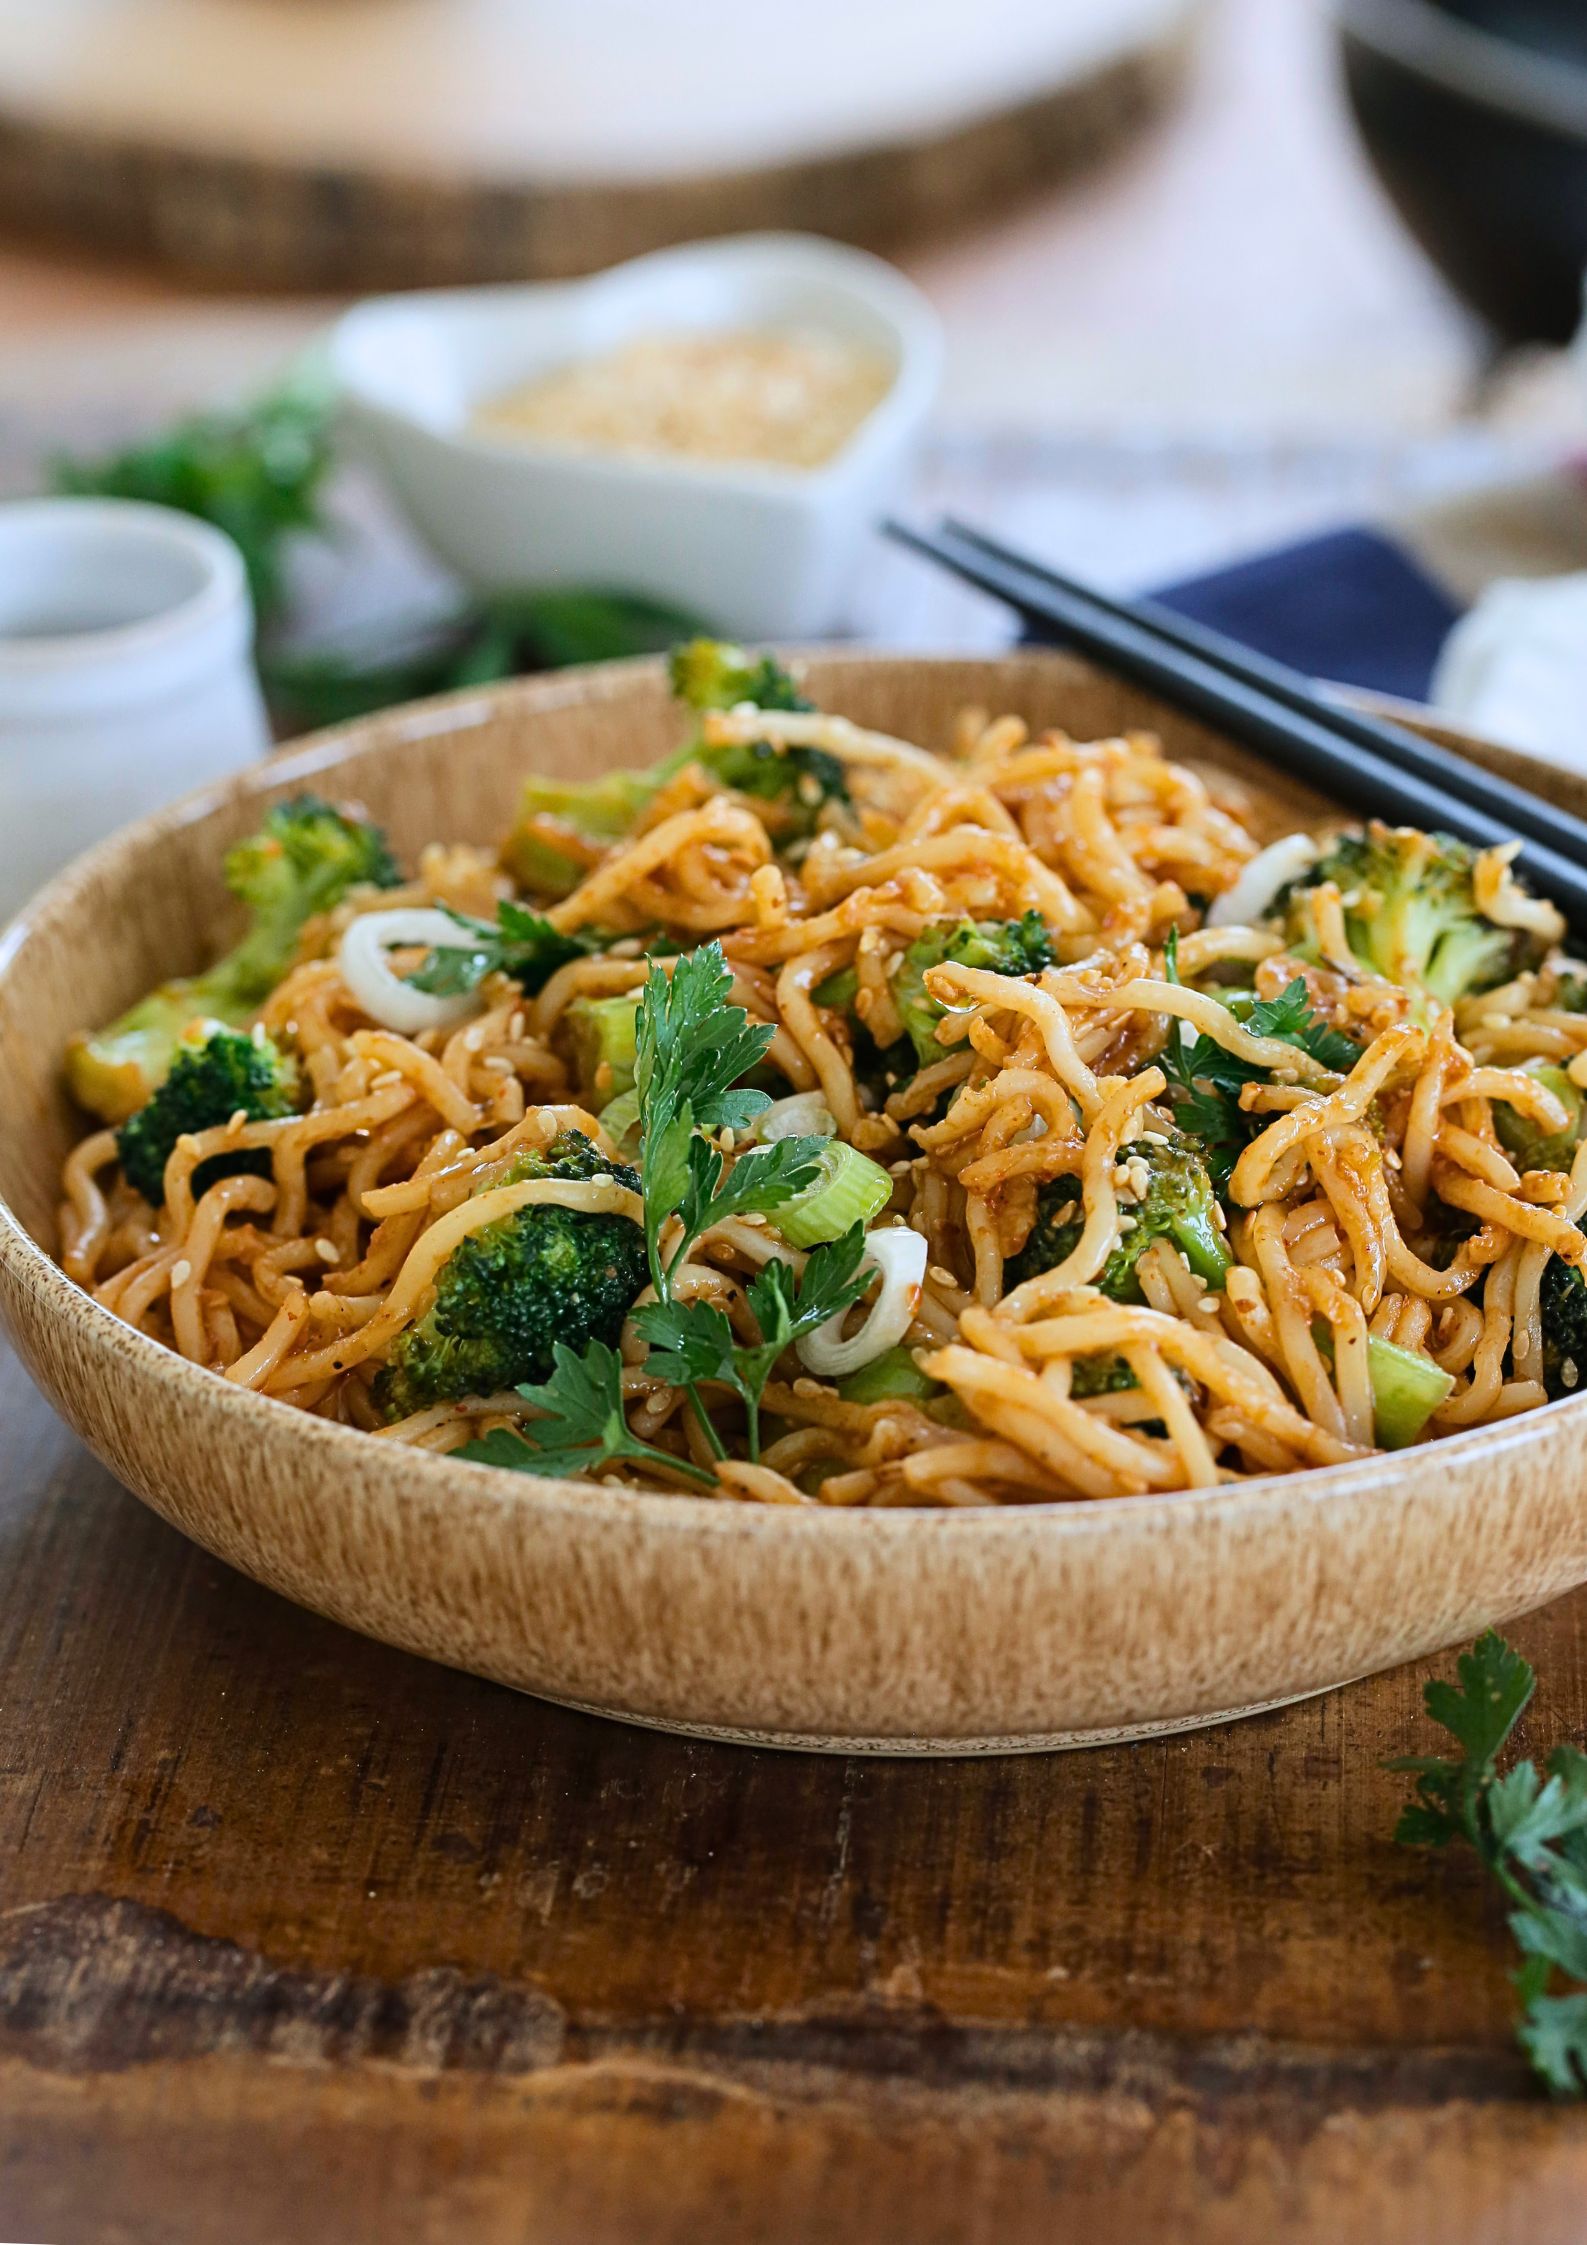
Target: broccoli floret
1014,947
1563,1300
209,1082
1528,1145
511,1290
713,674
1410,914
592,814
1178,1204
304,859
710,674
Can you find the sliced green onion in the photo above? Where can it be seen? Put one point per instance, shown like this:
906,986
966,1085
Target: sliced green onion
849,1189
893,1377
604,1032
620,1121
1407,1389
839,990
804,1115
598,811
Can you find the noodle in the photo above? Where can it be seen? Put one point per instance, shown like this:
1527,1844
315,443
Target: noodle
1375,1188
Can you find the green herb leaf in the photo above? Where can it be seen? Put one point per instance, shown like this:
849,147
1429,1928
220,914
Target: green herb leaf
691,1341
1529,1831
522,944
581,1423
1205,1080
478,645
255,473
1553,2032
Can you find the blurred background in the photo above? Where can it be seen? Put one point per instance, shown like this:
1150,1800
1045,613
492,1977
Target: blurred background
1179,248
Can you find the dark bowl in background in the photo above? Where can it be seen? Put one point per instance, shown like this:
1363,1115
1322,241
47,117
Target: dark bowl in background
1474,113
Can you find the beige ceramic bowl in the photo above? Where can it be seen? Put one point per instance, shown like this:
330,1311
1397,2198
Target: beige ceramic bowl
892,1632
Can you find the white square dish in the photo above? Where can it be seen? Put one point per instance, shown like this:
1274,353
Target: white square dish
756,551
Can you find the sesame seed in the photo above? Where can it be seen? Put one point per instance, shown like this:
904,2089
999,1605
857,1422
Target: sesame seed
1568,1372
326,1250
941,1277
238,1120
181,1272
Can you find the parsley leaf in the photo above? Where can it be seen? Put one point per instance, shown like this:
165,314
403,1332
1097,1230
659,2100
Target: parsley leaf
692,1050
1290,1018
522,944
1529,1830
693,1341
582,1424
1205,1080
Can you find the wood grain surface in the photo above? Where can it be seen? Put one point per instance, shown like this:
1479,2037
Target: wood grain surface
303,1937
130,152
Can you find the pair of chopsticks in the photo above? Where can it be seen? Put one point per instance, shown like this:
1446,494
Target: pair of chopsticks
1364,763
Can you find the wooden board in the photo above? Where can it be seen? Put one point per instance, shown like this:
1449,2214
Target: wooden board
301,1937
388,143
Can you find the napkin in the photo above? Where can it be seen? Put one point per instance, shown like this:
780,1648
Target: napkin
1478,605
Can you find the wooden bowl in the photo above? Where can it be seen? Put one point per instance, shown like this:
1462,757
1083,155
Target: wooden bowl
889,1632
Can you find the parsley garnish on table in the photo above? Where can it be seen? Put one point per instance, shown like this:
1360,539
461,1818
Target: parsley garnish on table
1205,1080
1529,1831
692,1051
258,471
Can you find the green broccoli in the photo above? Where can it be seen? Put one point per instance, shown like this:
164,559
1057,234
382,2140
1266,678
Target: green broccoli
706,674
1528,1145
304,859
1410,913
510,1291
209,1082
1178,1204
1013,947
1563,1299
712,674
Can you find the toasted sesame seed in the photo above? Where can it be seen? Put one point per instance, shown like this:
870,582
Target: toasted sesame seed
181,1272
941,1277
326,1250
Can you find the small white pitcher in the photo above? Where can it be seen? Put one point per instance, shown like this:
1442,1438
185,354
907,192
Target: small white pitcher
126,673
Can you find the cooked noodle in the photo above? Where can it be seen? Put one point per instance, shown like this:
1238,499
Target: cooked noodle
297,1283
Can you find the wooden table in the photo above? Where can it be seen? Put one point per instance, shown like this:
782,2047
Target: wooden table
303,1938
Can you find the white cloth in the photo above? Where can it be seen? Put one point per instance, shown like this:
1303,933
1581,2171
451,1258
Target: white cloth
1515,667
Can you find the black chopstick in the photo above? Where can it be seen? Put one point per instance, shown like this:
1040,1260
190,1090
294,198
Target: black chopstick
1306,742
1522,812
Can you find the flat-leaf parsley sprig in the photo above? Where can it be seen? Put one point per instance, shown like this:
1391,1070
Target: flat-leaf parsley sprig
581,1423
692,1050
694,1341
1529,1831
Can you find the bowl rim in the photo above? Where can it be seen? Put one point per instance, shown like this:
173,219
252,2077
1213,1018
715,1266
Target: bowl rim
59,1298
1477,64
865,278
